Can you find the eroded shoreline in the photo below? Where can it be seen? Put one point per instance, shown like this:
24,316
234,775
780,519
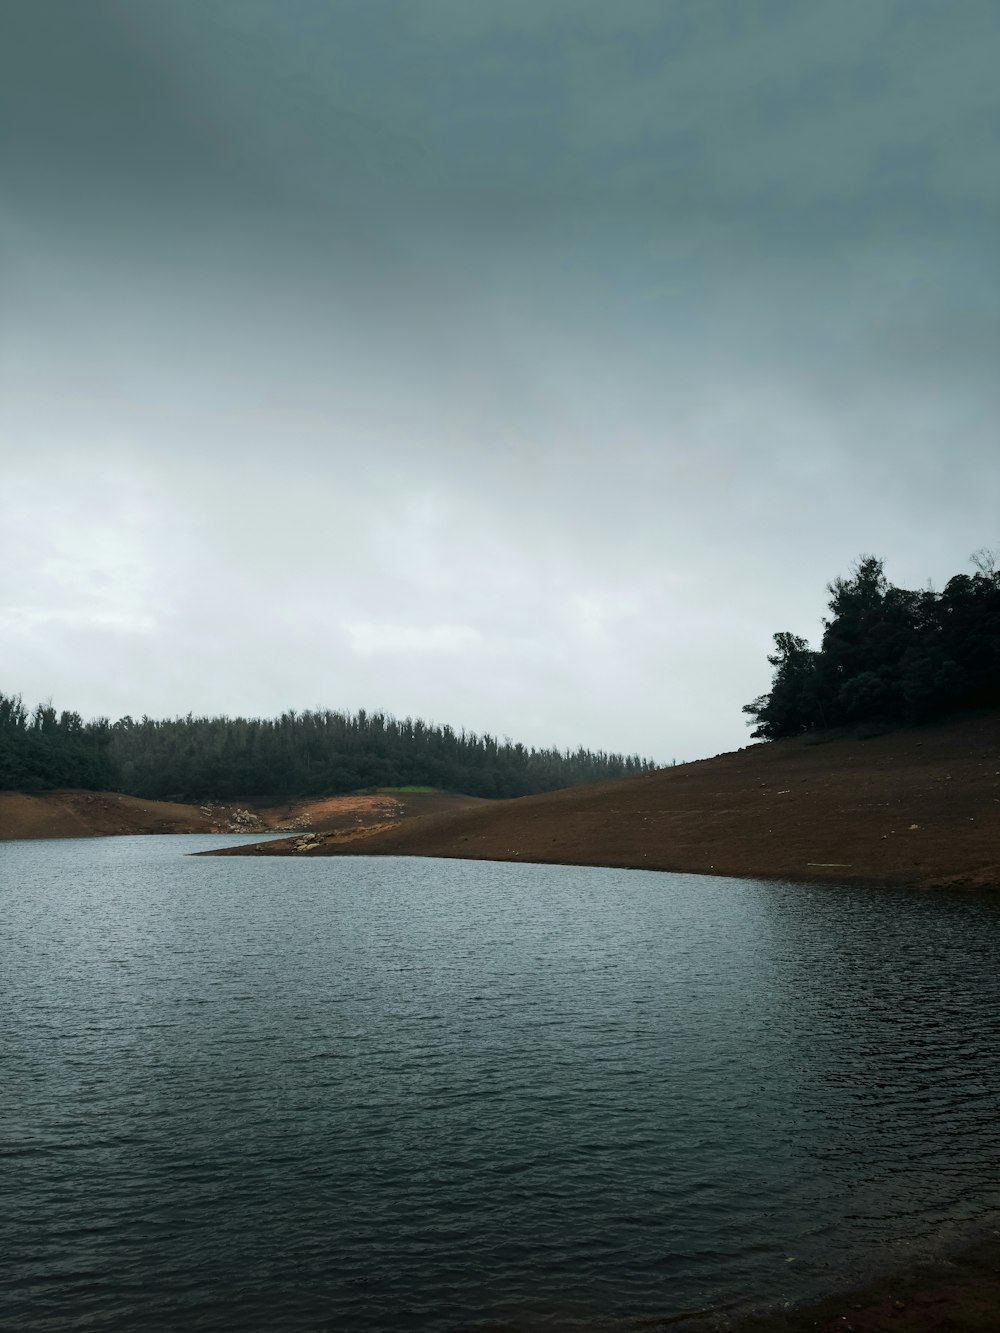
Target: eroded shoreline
957,1292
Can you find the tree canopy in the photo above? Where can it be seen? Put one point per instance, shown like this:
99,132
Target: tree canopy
888,654
43,749
312,753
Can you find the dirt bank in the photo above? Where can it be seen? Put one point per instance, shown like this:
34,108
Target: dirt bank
959,1293
82,814
918,806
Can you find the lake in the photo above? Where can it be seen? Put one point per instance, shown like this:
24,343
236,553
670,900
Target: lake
376,1093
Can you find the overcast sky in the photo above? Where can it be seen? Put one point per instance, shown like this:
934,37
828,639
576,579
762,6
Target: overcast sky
517,364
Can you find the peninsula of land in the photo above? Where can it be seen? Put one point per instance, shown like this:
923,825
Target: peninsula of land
914,806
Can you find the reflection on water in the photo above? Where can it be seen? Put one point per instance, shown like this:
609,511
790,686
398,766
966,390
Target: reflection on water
376,1094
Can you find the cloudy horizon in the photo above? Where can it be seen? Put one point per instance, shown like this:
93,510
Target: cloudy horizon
520,367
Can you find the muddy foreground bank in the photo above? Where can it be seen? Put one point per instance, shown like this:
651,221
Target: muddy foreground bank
958,1293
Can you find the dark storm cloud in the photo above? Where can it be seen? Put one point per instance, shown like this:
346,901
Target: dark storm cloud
520,364
86,106
690,109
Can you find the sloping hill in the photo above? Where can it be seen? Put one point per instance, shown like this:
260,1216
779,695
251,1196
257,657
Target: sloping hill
918,806
83,814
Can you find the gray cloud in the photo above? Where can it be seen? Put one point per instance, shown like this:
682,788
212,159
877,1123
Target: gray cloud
521,366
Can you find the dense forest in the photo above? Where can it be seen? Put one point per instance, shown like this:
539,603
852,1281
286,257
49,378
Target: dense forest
888,654
44,749
297,754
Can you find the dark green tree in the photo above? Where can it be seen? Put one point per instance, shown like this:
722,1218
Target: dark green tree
888,654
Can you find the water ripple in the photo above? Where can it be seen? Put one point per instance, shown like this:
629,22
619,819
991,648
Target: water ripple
374,1094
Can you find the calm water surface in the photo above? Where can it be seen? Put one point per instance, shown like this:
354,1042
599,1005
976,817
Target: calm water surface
403,1094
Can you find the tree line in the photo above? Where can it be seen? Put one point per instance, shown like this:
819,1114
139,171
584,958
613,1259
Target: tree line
311,753
41,749
888,654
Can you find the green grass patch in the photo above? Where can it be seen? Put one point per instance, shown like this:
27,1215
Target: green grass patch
393,791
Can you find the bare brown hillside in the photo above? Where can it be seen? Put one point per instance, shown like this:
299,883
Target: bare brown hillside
919,806
81,814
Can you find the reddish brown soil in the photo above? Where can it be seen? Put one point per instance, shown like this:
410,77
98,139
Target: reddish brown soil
82,814
918,806
346,813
